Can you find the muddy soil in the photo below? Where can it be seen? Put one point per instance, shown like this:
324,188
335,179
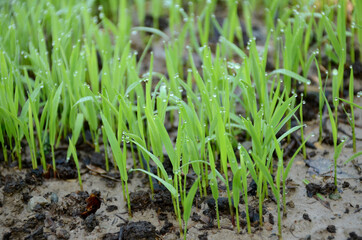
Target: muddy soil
34,205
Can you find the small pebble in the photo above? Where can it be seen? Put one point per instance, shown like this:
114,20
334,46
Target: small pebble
34,201
331,229
268,226
54,198
306,217
291,204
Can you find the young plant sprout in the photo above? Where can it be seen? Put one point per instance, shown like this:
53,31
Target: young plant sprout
181,99
75,157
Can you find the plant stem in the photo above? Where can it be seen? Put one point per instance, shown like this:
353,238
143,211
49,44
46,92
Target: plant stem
53,159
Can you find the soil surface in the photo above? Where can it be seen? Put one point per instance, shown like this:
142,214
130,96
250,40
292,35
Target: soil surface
34,205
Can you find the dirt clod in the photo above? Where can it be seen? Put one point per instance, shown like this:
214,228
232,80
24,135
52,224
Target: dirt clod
271,219
306,217
313,189
222,202
91,222
203,236
166,228
13,185
34,177
111,208
331,229
139,200
73,204
291,204
110,236
138,230
354,236
345,184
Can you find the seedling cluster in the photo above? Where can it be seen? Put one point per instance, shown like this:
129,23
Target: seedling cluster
71,66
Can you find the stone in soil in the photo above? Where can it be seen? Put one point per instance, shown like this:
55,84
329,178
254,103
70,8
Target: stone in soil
331,229
354,236
36,200
345,184
306,217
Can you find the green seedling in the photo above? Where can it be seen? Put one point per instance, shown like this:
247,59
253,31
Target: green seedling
188,204
337,147
52,121
75,157
213,183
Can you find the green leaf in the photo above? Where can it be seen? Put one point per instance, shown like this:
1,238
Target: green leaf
189,199
153,157
290,74
151,30
353,157
237,187
116,149
164,183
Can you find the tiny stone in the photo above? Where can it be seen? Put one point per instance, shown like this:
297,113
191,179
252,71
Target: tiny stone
268,226
331,228
354,236
345,184
306,217
271,219
291,204
34,201
54,198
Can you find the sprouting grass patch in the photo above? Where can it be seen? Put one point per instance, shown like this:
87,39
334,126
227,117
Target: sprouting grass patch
203,79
